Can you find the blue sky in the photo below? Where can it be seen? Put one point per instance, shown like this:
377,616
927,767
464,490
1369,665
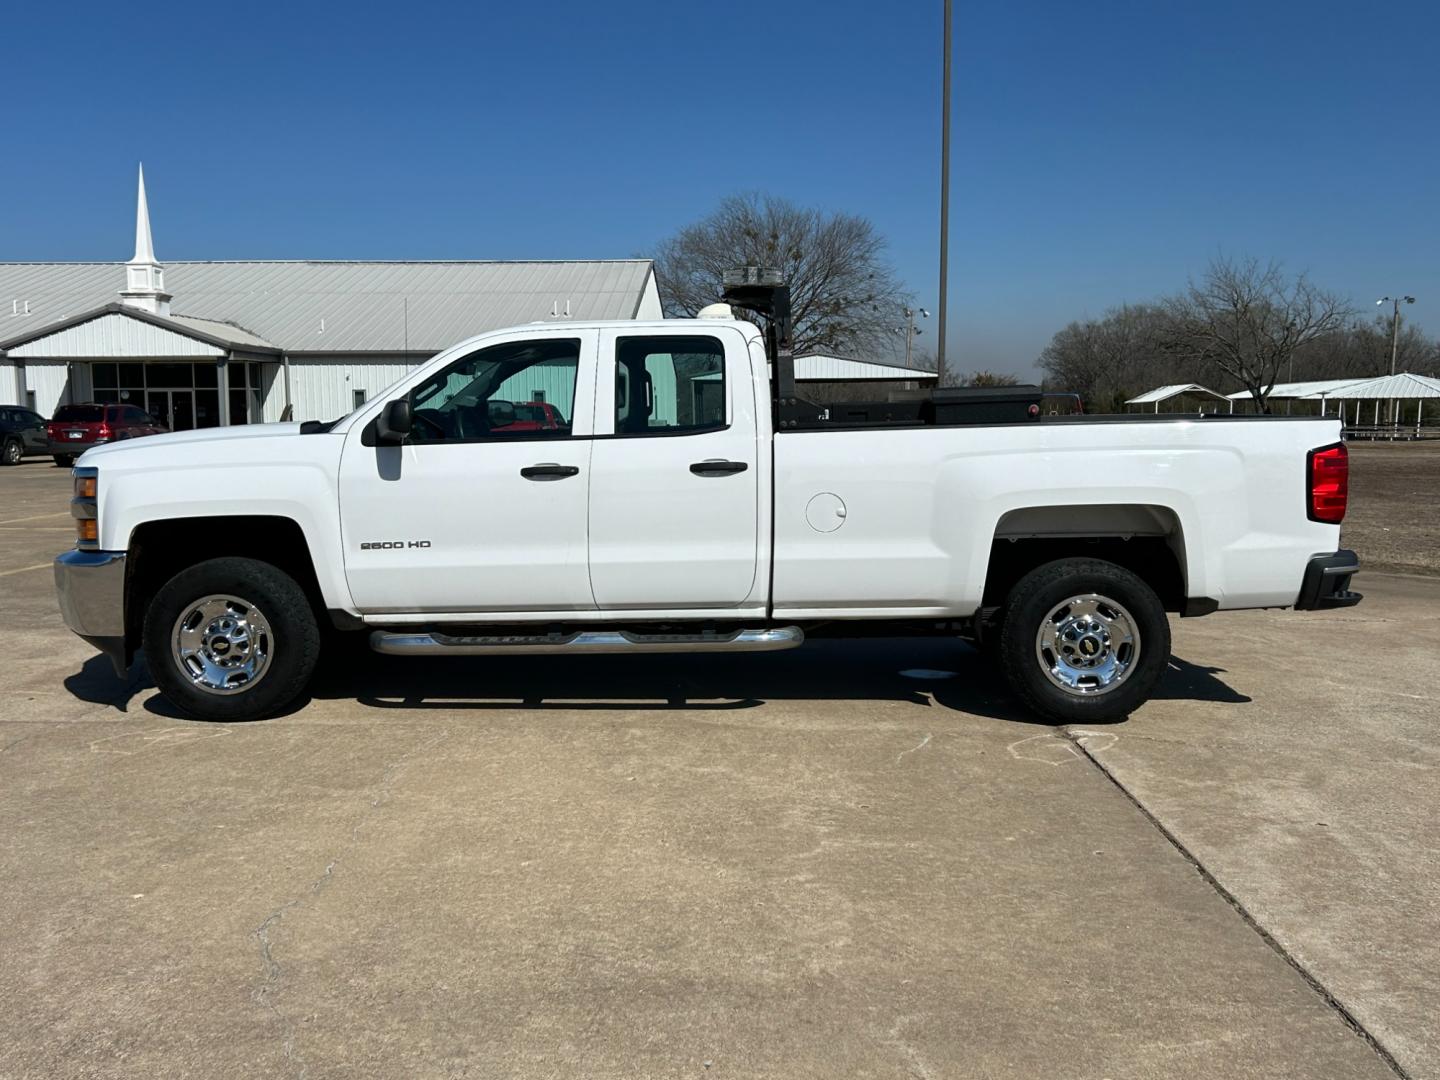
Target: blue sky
1103,151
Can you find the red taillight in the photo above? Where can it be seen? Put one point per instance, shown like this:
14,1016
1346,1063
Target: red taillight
103,432
1329,480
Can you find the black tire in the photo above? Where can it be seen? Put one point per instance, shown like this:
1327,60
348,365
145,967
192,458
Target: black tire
64,460
1037,597
292,643
11,452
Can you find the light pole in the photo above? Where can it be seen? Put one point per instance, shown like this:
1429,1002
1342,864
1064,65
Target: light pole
944,202
910,329
1395,324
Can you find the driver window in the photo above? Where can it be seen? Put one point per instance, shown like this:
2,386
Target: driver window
492,394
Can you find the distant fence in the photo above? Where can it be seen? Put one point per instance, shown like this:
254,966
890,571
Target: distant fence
1392,432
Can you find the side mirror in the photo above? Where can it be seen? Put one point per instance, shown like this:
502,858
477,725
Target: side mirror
394,422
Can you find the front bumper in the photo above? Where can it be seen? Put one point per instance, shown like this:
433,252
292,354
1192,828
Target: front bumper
1327,582
91,588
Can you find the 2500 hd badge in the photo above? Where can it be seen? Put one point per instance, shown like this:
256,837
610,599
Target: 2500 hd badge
388,545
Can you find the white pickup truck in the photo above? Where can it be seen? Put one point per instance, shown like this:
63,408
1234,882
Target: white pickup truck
674,494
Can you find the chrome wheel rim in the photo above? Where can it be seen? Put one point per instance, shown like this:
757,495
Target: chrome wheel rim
12,452
1088,645
222,645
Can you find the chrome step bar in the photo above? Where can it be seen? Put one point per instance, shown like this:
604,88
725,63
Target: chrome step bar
772,639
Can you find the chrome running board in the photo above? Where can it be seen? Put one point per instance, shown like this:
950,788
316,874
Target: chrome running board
585,641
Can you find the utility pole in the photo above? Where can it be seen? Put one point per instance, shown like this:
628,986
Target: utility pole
944,203
910,329
1395,325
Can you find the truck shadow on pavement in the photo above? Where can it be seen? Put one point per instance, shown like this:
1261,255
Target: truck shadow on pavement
921,671
937,673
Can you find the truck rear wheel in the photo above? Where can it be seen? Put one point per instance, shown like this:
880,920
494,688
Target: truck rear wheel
64,460
231,639
1084,641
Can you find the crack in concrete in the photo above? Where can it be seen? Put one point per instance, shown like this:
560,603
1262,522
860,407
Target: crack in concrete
1338,1007
920,746
16,742
273,973
895,1037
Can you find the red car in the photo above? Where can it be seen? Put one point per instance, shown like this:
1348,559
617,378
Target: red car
532,416
76,428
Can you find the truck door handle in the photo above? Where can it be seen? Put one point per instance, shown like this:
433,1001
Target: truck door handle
549,471
718,468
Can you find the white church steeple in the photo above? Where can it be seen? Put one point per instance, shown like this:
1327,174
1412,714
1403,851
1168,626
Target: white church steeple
144,277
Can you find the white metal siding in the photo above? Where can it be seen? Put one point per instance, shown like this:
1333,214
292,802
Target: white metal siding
48,379
9,389
842,369
323,388
649,307
114,336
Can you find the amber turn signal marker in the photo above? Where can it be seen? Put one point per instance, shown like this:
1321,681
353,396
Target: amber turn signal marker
88,530
85,487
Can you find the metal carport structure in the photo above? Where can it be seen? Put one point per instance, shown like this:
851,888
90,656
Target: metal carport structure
1165,393
1395,389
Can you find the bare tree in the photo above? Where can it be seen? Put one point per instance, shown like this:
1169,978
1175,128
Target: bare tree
1110,359
844,297
1362,351
989,378
1248,321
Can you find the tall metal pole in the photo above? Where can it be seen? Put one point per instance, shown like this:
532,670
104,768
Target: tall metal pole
1395,336
944,203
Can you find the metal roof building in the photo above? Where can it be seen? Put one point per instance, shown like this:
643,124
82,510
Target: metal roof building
261,340
1400,387
817,368
1295,391
1165,393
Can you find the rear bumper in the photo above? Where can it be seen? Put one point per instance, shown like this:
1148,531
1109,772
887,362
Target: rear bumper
90,586
1327,582
74,447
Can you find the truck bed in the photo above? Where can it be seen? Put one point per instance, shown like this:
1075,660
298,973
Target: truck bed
907,527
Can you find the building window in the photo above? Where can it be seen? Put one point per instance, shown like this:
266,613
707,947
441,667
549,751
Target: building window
358,397
186,394
538,396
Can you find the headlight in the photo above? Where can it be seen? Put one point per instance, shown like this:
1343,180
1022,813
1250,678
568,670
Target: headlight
84,508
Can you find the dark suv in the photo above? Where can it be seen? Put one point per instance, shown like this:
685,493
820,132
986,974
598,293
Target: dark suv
76,428
21,432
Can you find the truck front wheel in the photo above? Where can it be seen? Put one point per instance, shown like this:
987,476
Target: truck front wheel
231,639
1084,641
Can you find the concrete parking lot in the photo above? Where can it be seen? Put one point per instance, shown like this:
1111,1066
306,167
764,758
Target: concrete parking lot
860,859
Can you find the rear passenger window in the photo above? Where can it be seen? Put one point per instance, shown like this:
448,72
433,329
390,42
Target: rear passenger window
669,385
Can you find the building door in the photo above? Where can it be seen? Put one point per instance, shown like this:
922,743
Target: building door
173,408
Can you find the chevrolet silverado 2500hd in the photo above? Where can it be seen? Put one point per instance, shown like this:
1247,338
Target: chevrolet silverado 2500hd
692,502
